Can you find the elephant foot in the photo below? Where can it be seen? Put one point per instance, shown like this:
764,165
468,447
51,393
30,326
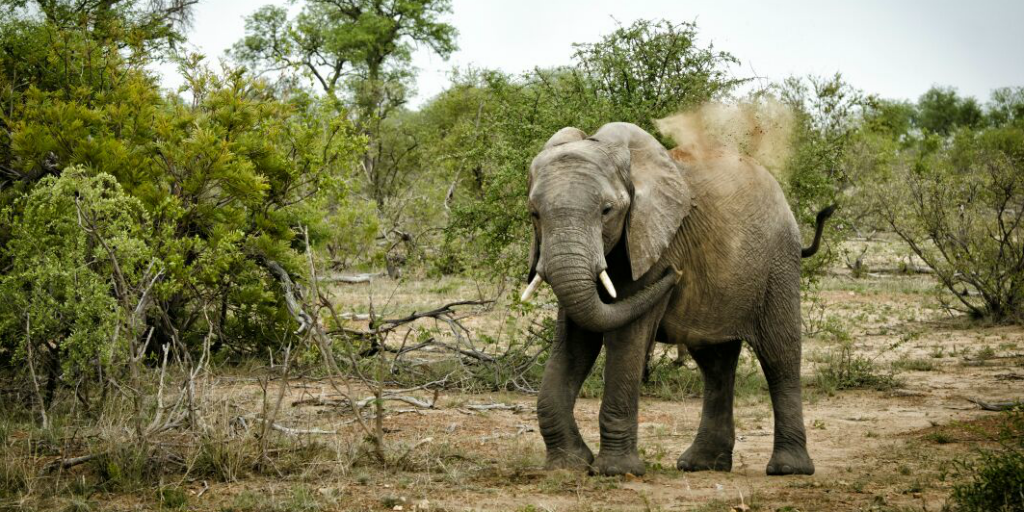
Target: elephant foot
702,457
618,464
575,458
790,461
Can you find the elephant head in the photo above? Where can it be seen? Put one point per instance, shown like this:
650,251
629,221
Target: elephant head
587,195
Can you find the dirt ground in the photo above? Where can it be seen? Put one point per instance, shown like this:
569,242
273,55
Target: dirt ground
873,449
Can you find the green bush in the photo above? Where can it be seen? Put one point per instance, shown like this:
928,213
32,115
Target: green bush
213,184
959,205
173,498
994,480
72,236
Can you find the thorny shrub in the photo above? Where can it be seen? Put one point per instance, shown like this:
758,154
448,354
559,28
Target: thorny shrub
959,205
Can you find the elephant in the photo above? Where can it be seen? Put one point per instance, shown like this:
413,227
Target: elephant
639,244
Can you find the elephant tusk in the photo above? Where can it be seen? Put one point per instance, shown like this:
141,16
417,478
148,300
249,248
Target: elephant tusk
607,282
528,292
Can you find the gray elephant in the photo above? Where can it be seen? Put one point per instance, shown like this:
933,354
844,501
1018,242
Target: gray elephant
703,253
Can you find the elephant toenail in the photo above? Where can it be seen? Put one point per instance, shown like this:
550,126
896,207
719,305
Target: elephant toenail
787,469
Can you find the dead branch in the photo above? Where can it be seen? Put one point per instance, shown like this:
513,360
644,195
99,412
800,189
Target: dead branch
359,317
324,344
498,407
288,290
419,443
347,403
268,420
32,371
242,423
446,310
351,279
298,432
444,313
70,462
995,406
522,430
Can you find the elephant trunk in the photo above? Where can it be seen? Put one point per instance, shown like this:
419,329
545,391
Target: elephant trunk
570,272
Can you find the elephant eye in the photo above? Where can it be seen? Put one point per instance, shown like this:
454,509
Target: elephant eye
534,214
606,210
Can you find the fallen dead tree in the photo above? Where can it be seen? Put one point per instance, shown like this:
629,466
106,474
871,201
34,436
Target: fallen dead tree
351,279
380,329
345,402
995,406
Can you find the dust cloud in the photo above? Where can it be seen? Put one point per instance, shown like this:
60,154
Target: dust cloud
761,129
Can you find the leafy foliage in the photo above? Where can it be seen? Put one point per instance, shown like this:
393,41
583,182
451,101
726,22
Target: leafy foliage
221,183
146,28
651,69
68,238
995,479
941,111
363,45
818,171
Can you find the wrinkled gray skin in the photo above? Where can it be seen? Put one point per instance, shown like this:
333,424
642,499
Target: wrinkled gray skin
702,253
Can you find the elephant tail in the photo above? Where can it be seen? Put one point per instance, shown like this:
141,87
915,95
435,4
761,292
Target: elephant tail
819,226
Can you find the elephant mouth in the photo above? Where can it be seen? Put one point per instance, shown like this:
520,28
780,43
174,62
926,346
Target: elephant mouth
578,292
538,280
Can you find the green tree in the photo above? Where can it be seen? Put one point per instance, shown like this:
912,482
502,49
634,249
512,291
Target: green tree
149,27
1007,107
356,51
828,113
892,119
651,69
941,110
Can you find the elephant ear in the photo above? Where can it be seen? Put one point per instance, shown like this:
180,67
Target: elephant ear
661,195
563,136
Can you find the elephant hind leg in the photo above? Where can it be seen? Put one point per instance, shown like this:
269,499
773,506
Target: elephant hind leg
712,447
778,350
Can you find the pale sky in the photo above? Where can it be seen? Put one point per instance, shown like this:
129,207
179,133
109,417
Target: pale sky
895,48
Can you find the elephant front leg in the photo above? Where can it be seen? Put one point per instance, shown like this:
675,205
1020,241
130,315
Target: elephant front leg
625,360
572,357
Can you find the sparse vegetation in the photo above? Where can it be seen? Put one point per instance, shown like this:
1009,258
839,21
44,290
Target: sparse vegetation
914,365
992,479
841,367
